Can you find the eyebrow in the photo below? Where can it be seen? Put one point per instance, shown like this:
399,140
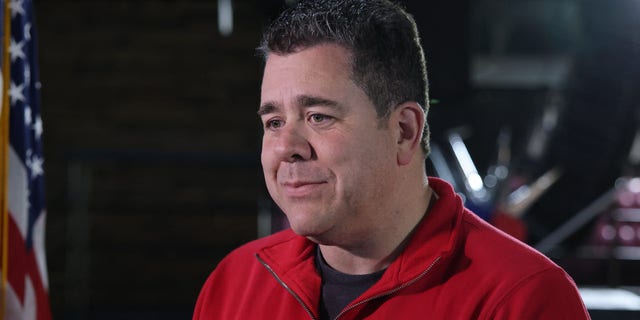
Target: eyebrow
310,101
304,101
267,108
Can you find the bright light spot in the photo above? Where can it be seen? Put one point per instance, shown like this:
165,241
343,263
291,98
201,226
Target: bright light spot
466,163
502,172
490,181
634,185
626,199
225,17
608,232
627,233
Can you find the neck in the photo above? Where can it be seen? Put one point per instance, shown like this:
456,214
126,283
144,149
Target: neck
383,245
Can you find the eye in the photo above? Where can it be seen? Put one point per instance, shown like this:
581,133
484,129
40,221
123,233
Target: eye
274,124
319,118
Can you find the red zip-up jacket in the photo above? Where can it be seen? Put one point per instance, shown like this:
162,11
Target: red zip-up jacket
455,266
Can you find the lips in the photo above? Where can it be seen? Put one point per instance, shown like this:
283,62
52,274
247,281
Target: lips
298,189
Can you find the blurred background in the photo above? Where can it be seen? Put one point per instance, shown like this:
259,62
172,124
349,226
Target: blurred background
151,140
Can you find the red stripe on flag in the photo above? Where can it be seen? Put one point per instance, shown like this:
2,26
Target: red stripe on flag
23,264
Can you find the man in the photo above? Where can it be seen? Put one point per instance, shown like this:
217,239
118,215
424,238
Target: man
344,105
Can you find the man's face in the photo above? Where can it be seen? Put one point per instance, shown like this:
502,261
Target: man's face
327,161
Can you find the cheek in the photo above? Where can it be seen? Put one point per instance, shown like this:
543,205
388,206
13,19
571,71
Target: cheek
370,161
266,155
268,168
269,174
264,160
356,161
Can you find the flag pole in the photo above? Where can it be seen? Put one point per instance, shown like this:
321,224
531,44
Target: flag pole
4,155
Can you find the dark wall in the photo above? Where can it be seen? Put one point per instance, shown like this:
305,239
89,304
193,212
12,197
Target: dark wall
151,150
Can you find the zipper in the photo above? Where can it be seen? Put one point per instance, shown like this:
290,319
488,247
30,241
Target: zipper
392,291
295,295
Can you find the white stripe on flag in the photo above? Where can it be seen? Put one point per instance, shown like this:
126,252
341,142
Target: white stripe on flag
23,311
39,248
18,192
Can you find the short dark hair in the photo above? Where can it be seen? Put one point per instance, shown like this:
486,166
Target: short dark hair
387,59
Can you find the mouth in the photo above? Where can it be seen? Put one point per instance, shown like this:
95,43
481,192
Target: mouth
297,189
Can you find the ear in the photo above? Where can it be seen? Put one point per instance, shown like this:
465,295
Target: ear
409,121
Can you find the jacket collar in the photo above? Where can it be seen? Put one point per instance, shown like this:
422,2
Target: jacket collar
433,242
436,237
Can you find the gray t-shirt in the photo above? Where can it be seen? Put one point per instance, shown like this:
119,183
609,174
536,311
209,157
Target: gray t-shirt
339,289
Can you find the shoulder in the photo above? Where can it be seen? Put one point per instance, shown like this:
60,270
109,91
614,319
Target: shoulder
221,285
484,242
548,294
523,281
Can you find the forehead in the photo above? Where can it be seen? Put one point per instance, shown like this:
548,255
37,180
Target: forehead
317,70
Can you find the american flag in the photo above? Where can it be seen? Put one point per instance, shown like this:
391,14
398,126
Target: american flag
24,270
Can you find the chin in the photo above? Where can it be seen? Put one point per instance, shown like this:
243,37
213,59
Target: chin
310,231
304,231
320,237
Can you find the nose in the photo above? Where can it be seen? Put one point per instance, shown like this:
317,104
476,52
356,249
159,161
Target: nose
291,144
